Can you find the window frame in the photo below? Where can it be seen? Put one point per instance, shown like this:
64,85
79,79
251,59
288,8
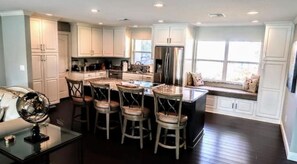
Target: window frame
133,52
225,61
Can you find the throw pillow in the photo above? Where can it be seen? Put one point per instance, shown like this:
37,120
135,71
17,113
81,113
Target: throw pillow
197,79
251,84
189,79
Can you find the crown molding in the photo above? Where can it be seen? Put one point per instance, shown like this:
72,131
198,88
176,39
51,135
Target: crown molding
15,13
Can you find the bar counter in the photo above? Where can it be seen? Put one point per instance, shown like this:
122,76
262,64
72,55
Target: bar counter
194,101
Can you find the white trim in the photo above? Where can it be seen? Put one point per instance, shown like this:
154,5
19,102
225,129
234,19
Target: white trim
15,13
290,155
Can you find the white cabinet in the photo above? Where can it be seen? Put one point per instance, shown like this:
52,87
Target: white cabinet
271,90
107,42
278,38
87,41
211,103
44,35
121,42
148,78
235,105
169,35
45,75
277,41
44,44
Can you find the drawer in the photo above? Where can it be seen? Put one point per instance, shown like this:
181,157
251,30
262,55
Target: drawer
147,78
101,74
89,75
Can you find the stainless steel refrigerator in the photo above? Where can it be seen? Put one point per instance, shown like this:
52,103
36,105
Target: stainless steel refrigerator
169,65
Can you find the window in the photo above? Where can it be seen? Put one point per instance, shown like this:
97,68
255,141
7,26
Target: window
229,61
142,51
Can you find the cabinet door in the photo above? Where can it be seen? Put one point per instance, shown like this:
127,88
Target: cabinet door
177,35
37,66
107,42
161,35
38,86
277,42
148,78
35,31
244,106
84,41
225,104
211,103
119,42
51,77
50,36
97,41
272,85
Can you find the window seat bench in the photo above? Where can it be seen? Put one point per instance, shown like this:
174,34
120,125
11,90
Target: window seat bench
227,92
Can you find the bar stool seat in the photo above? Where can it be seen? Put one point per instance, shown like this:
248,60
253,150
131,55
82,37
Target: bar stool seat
171,117
104,105
136,111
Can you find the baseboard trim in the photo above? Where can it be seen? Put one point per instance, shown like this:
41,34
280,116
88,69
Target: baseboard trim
290,155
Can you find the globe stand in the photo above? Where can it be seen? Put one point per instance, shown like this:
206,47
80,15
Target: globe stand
36,136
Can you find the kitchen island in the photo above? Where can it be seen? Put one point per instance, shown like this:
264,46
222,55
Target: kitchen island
194,101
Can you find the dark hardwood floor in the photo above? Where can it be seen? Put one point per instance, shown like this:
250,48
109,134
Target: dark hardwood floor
226,140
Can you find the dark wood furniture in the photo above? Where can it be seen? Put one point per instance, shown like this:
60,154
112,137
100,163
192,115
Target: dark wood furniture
25,152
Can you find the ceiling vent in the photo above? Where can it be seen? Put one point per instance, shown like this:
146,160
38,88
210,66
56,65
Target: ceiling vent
124,19
216,15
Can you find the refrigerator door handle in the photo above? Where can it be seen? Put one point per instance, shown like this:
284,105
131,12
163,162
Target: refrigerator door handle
166,67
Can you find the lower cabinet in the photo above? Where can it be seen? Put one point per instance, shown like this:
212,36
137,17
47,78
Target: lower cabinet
239,106
134,76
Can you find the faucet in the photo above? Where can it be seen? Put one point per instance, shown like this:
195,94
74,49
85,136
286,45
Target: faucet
138,63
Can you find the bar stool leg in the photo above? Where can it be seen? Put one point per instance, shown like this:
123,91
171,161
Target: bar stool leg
141,134
165,136
150,128
88,115
107,126
157,138
96,121
73,114
133,127
177,143
121,122
124,130
185,139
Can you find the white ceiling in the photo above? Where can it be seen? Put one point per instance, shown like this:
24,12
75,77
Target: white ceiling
143,13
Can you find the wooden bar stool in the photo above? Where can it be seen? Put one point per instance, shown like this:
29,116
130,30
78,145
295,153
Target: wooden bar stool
103,105
132,106
168,107
79,99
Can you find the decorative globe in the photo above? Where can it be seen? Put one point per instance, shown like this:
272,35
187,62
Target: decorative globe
33,107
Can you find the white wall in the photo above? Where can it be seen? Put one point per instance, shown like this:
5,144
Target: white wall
289,115
141,33
2,66
232,33
16,49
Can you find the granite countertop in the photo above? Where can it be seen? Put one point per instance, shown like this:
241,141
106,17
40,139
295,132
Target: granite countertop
189,95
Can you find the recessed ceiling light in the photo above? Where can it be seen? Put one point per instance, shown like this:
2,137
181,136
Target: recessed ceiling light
135,26
198,23
48,14
100,23
160,21
216,15
159,4
94,11
252,12
255,21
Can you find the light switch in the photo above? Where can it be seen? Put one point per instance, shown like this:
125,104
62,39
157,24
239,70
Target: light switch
22,67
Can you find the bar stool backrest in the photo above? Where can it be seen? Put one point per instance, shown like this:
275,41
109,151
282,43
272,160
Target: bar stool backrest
100,91
75,89
131,96
168,104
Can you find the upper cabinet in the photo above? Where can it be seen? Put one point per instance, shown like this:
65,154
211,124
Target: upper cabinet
277,41
121,42
43,35
108,42
169,35
92,41
87,41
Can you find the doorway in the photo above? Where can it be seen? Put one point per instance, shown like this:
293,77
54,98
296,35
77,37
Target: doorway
63,40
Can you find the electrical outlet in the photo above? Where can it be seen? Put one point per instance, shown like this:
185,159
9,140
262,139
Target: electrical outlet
22,68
